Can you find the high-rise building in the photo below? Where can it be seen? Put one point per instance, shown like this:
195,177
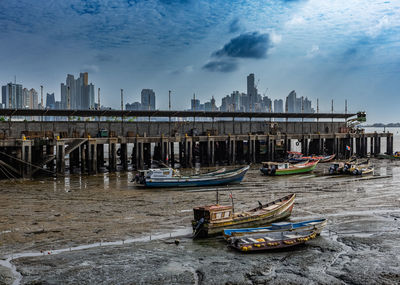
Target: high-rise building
50,101
148,99
134,106
278,106
81,93
251,93
291,102
11,95
195,105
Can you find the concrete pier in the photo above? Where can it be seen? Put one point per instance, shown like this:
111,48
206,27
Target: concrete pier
87,147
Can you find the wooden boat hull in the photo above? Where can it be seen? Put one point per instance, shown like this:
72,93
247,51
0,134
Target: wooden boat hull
311,225
322,159
387,156
206,180
277,214
289,171
272,241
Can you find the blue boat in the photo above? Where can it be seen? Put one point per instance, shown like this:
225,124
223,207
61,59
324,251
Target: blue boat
314,225
168,177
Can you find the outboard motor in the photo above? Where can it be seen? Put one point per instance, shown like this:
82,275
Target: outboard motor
198,225
273,170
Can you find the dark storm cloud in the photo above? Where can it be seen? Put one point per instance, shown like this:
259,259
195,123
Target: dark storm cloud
90,7
234,26
221,66
249,45
174,1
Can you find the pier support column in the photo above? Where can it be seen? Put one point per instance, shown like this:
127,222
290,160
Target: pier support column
138,151
257,153
389,144
26,157
351,146
124,156
181,154
163,150
287,144
171,156
92,156
320,146
358,146
232,150
251,149
100,156
83,148
188,152
60,156
112,154
371,146
272,143
49,152
210,152
377,146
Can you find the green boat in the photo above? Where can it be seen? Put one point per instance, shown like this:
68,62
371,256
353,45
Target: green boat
396,155
286,168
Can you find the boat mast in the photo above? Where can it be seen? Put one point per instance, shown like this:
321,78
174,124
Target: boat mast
233,205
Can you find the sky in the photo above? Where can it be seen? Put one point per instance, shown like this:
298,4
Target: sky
328,50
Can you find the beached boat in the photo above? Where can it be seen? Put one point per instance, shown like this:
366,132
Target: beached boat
352,167
213,219
295,157
361,169
271,240
285,168
344,167
396,155
311,225
167,177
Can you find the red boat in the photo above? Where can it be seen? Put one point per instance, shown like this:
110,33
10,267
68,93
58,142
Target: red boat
299,157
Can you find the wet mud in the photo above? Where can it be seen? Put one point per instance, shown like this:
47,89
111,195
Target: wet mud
360,244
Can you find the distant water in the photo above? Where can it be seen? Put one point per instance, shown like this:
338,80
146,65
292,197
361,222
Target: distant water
394,131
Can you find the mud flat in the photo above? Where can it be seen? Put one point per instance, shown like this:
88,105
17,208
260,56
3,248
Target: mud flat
359,246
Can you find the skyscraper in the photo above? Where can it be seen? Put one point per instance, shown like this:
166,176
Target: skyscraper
81,93
251,92
11,95
278,106
148,99
50,101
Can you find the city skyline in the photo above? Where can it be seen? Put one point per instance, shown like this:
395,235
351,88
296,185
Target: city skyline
79,94
341,50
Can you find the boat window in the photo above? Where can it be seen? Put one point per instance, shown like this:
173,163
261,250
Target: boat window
218,215
227,214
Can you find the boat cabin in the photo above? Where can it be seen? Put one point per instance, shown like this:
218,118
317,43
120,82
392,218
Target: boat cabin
213,213
274,165
160,173
154,173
